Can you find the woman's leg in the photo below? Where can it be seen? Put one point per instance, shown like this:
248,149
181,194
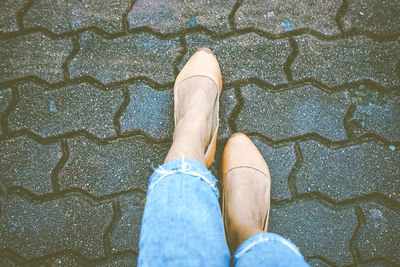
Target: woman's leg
182,223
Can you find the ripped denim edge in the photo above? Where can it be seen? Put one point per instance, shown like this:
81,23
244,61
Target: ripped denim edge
183,166
254,240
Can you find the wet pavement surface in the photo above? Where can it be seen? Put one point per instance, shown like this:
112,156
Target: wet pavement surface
86,112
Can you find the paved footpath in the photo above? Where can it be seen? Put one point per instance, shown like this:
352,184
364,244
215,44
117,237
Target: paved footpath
86,112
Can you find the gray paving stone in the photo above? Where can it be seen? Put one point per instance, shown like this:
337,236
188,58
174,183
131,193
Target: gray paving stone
8,14
23,162
127,57
280,162
378,17
149,110
347,60
34,230
234,54
126,234
316,229
67,260
167,16
227,103
105,169
318,263
120,261
379,236
290,113
5,97
33,54
277,17
349,172
69,108
65,16
377,113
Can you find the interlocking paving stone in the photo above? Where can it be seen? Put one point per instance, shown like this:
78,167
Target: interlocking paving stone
280,162
290,113
5,97
378,17
379,117
105,169
130,56
349,172
34,230
8,14
234,54
149,110
65,16
227,102
23,162
277,17
69,108
33,54
126,234
379,236
62,260
167,16
316,229
347,60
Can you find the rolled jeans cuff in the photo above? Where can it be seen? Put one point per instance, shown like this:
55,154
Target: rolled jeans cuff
183,166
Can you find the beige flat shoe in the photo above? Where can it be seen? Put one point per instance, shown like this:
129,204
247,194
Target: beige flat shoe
203,63
240,152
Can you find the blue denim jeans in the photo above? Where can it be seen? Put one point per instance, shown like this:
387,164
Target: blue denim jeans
182,225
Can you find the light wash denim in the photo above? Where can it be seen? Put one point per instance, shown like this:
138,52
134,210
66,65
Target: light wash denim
182,225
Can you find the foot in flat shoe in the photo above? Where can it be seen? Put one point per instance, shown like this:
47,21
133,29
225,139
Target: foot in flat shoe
197,96
246,191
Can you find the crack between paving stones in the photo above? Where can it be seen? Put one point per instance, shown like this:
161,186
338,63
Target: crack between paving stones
61,163
9,109
236,110
339,15
202,30
77,192
290,59
347,121
125,22
231,16
320,258
117,214
70,57
292,178
179,58
21,13
121,110
353,247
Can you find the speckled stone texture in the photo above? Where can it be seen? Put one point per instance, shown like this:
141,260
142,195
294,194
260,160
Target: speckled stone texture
277,17
122,165
149,110
280,162
267,57
347,60
127,232
70,223
128,57
51,112
378,17
33,55
168,16
61,16
350,172
379,235
227,102
8,14
299,111
381,118
315,229
28,164
5,97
